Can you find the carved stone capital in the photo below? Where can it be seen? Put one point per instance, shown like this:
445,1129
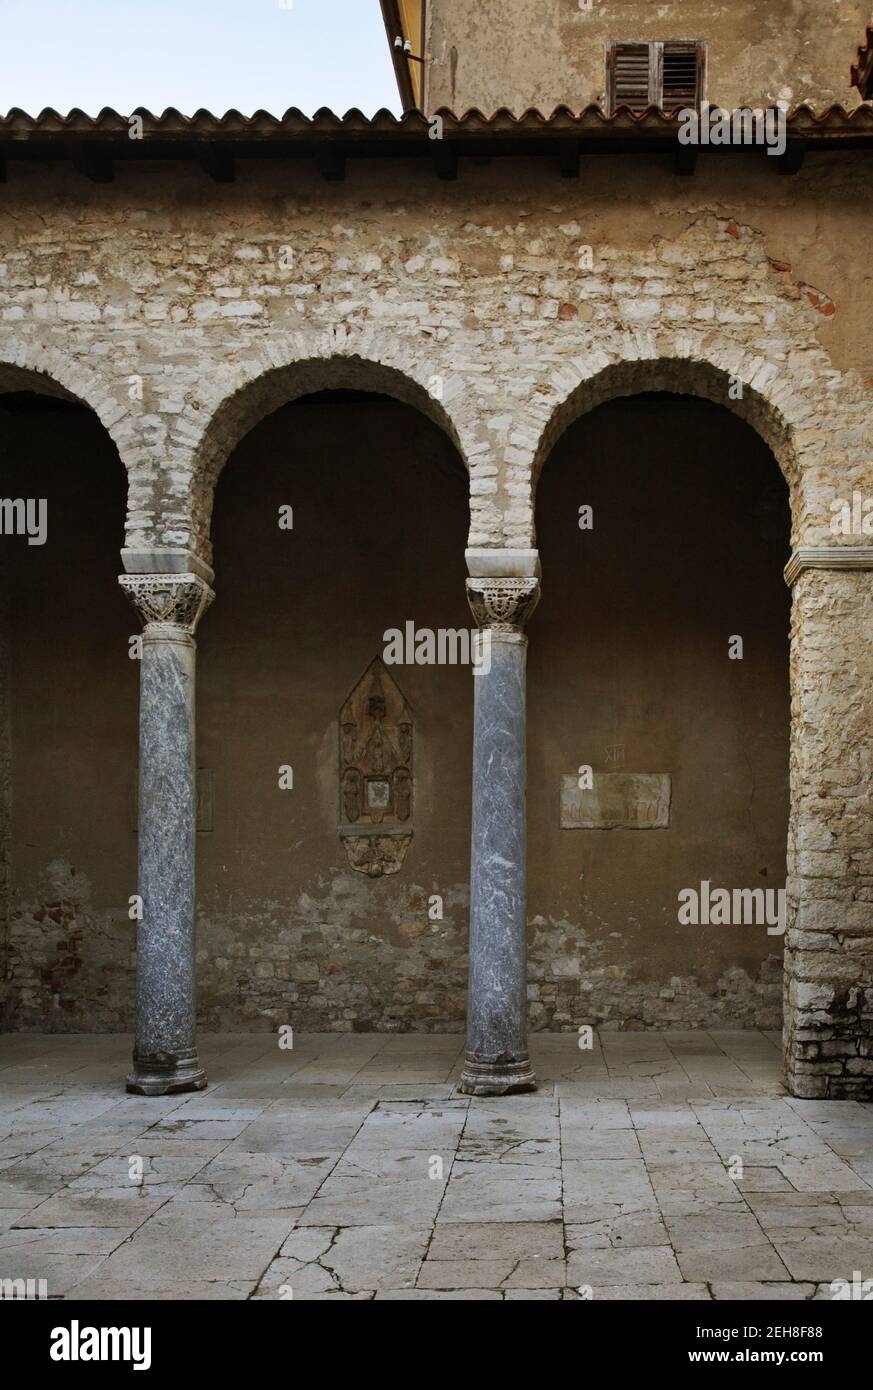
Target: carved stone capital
503,605
168,600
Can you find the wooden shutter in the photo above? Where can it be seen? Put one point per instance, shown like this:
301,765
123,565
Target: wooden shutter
629,76
681,76
669,75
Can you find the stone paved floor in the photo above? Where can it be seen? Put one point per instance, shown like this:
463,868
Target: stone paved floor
348,1168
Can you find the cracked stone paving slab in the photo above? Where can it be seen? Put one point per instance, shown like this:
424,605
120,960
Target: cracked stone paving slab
658,1167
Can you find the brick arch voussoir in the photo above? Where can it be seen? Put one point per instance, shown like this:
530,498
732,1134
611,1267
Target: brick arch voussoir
793,423
235,400
46,371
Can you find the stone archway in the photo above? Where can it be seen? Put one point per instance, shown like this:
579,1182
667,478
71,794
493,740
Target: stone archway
829,956
257,393
68,733
745,384
339,516
317,608
659,665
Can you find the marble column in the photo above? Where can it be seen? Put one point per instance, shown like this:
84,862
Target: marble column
165,1051
497,1061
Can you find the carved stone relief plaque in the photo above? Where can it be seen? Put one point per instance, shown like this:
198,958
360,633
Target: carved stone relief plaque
618,800
375,774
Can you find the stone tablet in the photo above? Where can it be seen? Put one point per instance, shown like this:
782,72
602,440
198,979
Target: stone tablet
618,800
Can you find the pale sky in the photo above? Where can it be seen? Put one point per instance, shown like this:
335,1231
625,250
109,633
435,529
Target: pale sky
191,53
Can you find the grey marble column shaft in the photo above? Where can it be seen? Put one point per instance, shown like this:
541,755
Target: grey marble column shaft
497,1060
165,1056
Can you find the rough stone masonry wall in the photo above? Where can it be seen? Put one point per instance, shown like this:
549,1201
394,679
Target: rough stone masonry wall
354,956
829,981
474,302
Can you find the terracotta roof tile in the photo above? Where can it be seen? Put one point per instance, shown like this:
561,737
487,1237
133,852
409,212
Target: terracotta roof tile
262,122
172,134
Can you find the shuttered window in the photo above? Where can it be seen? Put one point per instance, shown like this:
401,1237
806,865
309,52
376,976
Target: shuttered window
680,84
632,76
668,75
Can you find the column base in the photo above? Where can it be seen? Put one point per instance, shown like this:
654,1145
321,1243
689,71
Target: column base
165,1075
501,1077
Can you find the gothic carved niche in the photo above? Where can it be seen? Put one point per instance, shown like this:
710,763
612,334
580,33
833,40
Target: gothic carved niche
375,774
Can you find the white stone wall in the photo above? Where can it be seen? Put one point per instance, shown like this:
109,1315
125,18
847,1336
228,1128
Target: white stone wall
497,331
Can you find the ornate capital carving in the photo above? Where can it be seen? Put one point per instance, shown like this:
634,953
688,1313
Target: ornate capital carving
503,605
172,600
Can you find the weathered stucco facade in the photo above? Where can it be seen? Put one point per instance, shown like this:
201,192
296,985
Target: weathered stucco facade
499,310
483,55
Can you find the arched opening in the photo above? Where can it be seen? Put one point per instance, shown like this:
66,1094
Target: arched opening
338,516
260,396
742,386
68,715
660,659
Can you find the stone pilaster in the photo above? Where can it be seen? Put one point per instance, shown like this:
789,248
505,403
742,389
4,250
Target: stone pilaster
829,943
165,1051
497,1060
